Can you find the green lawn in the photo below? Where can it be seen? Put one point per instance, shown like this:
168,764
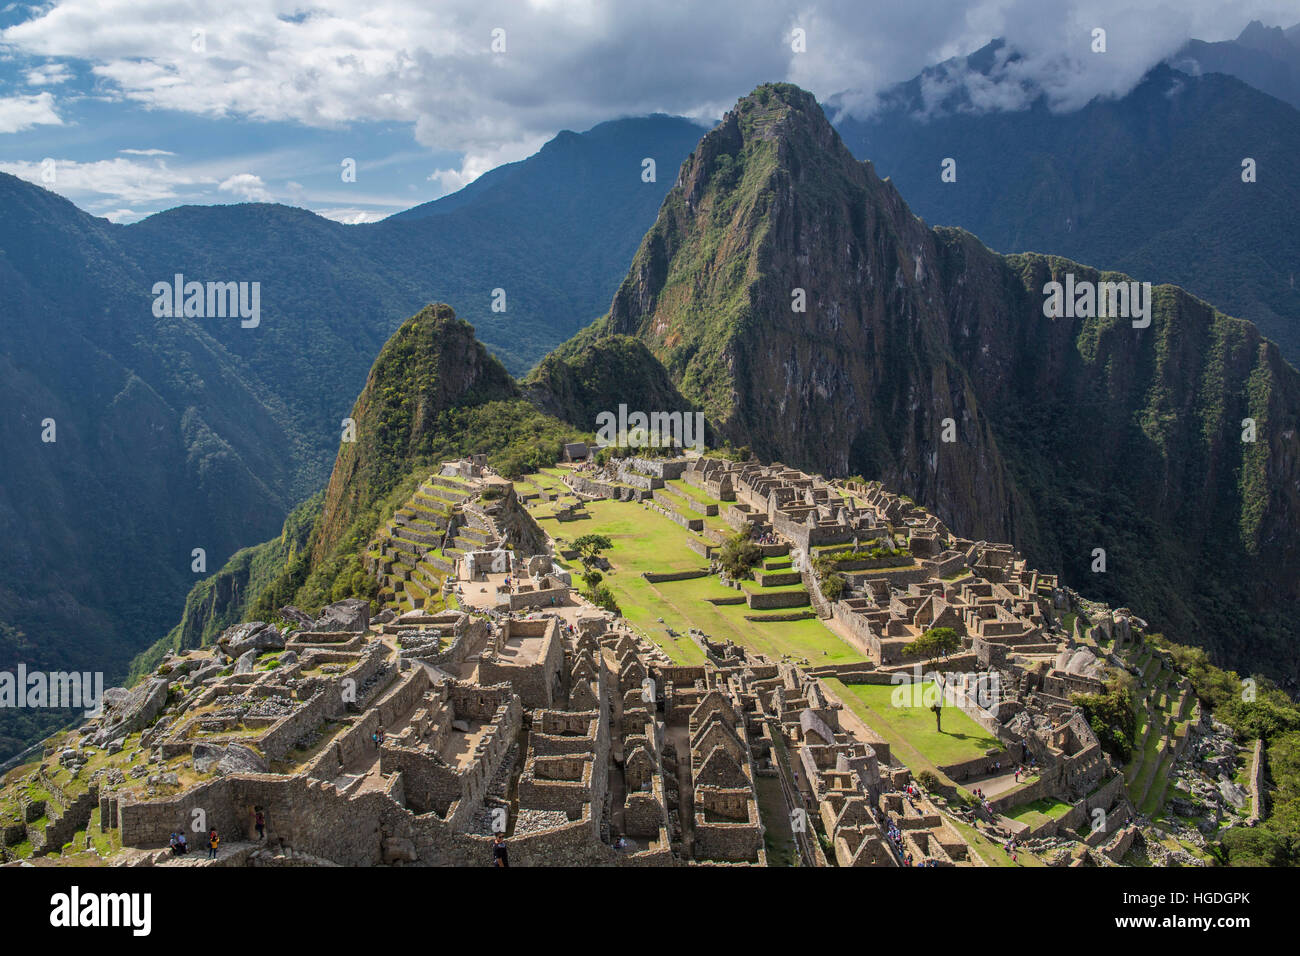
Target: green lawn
680,487
913,724
1037,812
645,540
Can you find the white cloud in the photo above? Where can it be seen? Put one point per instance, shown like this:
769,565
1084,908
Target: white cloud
475,164
18,113
575,64
120,180
51,74
146,152
246,186
352,217
571,65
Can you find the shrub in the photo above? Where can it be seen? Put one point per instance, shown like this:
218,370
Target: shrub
603,597
1112,718
739,554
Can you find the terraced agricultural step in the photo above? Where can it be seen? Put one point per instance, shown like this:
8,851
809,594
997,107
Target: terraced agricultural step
430,527
1148,777
411,549
1134,769
446,488
1154,800
421,535
417,594
400,560
431,503
770,579
773,600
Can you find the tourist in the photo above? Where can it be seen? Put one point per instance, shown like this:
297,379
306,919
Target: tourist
175,845
214,841
182,846
500,855
261,823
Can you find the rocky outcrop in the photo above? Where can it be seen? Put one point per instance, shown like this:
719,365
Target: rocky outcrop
129,711
252,636
352,614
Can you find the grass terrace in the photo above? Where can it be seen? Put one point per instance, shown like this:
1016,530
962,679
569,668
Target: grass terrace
910,730
1038,812
645,540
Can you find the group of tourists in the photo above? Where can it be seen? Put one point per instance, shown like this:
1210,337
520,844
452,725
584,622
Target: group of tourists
985,805
180,846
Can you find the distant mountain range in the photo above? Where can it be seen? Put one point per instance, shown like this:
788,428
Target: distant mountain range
1149,184
181,433
1268,58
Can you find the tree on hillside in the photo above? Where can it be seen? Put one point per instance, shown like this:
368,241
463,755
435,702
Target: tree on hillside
934,642
589,547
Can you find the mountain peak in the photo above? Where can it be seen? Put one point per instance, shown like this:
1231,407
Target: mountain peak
431,365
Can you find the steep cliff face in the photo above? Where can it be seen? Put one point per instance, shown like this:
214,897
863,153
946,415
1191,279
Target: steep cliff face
922,358
772,215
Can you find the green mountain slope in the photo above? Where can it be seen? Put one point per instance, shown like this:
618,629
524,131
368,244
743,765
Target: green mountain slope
577,381
1070,434
176,434
434,393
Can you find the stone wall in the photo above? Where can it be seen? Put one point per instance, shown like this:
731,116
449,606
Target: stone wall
535,682
557,593
773,600
655,577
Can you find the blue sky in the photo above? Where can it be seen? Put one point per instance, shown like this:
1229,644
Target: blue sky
141,105
120,159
